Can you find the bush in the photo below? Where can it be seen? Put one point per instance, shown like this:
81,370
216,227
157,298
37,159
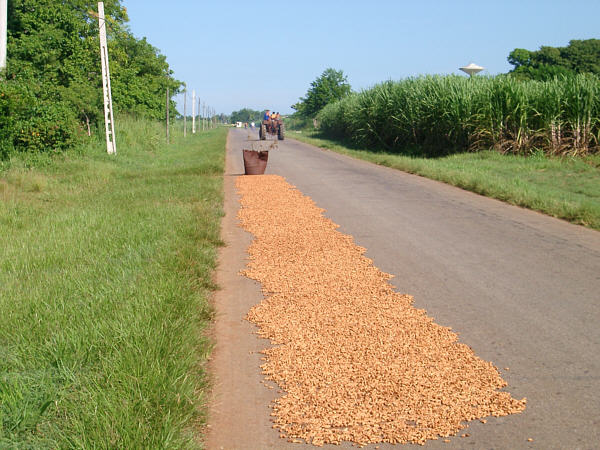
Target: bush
30,122
296,122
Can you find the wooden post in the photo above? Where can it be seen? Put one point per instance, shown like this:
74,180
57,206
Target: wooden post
185,113
109,121
3,32
193,111
167,114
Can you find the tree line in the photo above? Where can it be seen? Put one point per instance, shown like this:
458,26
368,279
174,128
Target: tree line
51,90
580,56
246,115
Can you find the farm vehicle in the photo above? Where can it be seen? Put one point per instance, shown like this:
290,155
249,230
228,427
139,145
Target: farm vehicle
272,127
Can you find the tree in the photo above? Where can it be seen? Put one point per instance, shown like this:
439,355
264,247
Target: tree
223,118
331,86
140,76
53,61
519,57
246,115
580,56
584,56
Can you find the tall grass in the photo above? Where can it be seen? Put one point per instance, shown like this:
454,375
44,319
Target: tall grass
104,278
444,114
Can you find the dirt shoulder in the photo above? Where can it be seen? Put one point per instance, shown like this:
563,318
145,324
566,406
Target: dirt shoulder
239,414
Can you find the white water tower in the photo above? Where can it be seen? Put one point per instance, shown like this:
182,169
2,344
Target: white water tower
471,69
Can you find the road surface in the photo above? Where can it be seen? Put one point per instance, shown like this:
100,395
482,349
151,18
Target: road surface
522,289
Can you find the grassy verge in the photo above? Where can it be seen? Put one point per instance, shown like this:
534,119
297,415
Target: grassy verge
104,280
568,188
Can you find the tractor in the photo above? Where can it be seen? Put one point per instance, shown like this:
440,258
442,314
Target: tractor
272,127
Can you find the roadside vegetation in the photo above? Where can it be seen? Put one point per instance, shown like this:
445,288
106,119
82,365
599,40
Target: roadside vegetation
104,281
106,260
332,85
51,93
446,114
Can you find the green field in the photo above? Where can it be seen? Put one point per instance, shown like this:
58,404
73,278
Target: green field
441,115
104,283
567,187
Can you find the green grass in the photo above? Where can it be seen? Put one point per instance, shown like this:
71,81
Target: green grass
104,278
568,187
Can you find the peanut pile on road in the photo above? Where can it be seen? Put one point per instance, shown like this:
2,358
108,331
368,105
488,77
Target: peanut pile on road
356,360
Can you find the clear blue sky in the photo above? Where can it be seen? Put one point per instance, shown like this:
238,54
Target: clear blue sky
265,54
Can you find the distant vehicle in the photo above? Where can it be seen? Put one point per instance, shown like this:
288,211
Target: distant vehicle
271,126
238,124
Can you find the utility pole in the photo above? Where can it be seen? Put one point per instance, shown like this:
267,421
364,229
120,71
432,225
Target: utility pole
184,112
167,114
193,111
203,114
3,32
109,121
199,115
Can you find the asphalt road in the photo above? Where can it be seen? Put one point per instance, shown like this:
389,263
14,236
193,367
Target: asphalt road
521,288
